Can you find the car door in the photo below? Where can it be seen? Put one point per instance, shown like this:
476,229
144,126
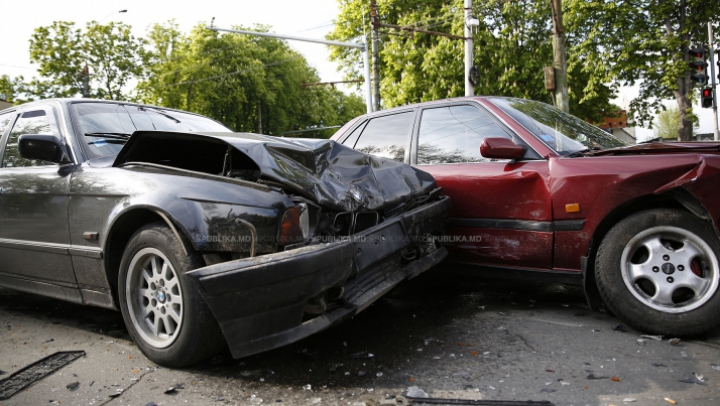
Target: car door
34,238
501,213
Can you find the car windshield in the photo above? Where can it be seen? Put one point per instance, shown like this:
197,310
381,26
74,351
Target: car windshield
105,127
564,133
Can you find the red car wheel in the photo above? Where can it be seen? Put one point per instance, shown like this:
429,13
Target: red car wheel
658,271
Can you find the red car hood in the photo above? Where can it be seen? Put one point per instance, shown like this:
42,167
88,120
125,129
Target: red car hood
663,148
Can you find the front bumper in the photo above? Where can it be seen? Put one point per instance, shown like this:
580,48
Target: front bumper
259,302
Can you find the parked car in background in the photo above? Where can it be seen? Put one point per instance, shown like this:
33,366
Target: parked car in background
197,233
538,193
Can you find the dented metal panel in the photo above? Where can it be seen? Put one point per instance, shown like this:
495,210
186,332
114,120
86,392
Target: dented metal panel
323,171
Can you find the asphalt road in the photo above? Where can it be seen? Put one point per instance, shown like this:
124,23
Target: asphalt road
449,336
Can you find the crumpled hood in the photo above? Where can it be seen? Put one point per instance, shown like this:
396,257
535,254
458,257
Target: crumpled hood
323,171
663,148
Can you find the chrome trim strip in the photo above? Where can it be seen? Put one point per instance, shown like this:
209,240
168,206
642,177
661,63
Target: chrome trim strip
61,249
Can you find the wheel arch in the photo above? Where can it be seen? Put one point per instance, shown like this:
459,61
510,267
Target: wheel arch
677,198
120,232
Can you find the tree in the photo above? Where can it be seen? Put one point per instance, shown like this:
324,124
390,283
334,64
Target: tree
668,122
248,83
643,42
110,53
512,45
9,87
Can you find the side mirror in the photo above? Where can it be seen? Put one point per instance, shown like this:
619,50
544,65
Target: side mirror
43,147
501,148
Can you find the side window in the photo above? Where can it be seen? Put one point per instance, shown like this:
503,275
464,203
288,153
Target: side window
386,136
454,134
30,122
351,140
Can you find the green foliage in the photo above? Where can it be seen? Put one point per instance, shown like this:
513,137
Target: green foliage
511,47
641,42
667,123
9,87
248,83
62,51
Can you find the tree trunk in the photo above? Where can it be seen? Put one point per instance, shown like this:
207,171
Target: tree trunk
685,126
559,64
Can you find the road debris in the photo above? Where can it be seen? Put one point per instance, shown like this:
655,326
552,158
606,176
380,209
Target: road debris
695,380
416,392
72,386
362,355
36,371
657,364
656,338
615,379
674,341
640,341
173,390
621,328
547,390
670,401
715,367
629,400
593,376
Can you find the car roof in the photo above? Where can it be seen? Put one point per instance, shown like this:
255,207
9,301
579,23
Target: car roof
70,100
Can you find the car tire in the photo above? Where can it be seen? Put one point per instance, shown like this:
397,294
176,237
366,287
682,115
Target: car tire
164,313
658,271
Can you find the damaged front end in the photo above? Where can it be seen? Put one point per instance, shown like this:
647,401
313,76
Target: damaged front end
272,300
350,227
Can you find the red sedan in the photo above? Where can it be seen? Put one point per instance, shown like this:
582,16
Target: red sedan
539,193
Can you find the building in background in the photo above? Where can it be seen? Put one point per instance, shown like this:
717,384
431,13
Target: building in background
4,104
617,125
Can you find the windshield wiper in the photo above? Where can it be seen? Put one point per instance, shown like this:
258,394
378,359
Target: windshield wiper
116,136
582,152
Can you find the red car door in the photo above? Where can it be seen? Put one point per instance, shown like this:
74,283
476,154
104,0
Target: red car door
501,213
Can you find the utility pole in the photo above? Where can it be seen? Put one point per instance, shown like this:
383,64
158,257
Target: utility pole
713,83
375,60
361,46
559,64
469,88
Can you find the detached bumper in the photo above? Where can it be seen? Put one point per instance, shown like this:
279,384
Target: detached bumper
259,302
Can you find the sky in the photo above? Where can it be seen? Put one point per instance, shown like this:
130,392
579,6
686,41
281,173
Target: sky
304,18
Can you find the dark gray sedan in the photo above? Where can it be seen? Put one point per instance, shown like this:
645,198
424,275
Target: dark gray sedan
197,233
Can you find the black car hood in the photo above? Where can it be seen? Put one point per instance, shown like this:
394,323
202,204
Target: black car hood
323,171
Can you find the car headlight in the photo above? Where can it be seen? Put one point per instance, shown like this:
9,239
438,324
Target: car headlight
295,225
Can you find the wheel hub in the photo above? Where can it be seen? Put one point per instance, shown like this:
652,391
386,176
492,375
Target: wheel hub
668,268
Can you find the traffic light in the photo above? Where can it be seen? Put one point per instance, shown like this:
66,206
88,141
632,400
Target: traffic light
699,66
706,98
